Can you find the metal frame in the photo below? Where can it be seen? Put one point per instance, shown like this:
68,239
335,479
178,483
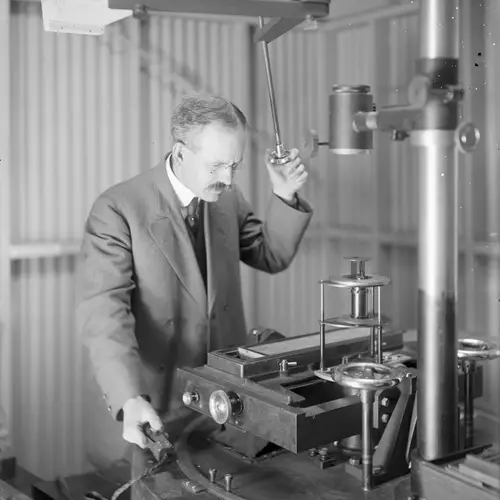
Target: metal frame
432,123
286,14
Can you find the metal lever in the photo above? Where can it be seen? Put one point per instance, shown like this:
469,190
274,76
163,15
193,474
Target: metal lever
280,156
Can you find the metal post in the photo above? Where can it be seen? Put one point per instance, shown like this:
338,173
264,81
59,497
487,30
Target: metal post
438,230
322,329
469,369
376,290
367,398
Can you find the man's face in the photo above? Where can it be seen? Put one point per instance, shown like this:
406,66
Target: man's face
208,161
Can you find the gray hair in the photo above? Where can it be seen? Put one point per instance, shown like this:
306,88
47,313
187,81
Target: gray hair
199,110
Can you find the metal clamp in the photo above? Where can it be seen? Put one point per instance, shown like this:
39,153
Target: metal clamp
477,350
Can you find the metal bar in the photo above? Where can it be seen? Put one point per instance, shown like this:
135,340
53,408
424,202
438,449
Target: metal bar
322,329
253,8
469,407
379,329
272,97
366,438
275,28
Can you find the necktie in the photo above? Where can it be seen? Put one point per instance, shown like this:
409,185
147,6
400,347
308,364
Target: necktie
192,217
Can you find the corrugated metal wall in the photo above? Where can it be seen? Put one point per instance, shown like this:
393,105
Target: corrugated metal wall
80,108
368,205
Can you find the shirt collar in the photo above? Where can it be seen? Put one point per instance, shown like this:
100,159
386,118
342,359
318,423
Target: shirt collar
184,194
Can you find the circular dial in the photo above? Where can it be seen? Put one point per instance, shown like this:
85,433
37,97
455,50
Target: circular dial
222,405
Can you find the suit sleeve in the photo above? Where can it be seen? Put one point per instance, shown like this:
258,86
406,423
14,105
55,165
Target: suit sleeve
103,304
271,245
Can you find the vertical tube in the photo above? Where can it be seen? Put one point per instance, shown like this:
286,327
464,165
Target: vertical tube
373,344
376,290
322,329
469,404
366,438
437,298
438,230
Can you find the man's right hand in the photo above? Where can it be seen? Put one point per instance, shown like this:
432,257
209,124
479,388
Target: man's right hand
137,412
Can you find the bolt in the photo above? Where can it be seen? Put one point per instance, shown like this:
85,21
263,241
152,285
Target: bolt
313,452
385,418
385,402
323,454
228,478
336,444
212,473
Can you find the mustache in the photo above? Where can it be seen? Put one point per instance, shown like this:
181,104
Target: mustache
220,186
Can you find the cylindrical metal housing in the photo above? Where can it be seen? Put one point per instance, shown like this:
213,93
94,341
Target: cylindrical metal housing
345,102
359,302
438,258
438,29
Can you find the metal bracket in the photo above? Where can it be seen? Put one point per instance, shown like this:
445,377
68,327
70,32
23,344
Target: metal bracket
286,14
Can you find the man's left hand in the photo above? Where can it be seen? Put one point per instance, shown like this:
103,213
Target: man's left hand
286,179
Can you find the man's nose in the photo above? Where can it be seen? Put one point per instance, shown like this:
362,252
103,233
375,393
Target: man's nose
227,176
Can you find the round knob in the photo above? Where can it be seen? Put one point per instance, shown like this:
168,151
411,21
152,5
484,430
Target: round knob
190,397
467,137
222,405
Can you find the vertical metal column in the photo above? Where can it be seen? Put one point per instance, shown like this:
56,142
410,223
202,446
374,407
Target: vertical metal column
438,234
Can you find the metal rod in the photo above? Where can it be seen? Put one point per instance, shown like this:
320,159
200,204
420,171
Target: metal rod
376,290
438,235
439,26
438,256
272,98
366,438
469,405
373,344
322,329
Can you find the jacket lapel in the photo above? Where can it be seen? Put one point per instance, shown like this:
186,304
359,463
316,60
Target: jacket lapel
171,235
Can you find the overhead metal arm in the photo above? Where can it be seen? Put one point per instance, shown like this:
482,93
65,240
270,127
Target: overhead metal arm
286,14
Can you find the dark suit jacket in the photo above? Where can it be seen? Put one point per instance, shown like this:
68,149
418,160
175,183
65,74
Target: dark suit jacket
142,307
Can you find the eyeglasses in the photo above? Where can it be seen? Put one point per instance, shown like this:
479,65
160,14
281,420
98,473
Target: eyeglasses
235,167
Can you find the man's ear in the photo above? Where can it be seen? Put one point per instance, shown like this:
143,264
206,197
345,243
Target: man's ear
177,153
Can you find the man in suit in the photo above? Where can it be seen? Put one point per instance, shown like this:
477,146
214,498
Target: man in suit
159,279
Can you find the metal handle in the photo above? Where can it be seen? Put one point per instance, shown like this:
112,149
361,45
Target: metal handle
369,376
280,155
477,350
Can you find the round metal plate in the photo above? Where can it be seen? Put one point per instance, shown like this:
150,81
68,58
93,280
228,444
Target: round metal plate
475,349
366,375
347,281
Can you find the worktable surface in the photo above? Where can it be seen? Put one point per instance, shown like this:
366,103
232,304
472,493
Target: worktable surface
286,476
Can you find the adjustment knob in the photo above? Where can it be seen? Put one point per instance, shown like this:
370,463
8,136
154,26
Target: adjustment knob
222,405
190,397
